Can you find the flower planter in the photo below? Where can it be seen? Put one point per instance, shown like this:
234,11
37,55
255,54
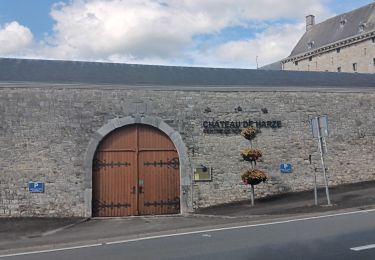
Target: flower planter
253,177
251,154
249,132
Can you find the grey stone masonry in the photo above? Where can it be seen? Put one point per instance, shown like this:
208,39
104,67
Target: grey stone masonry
45,134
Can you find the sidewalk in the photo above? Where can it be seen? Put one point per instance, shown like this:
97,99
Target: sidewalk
20,233
342,197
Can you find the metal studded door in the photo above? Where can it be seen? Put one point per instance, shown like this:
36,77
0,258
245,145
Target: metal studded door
136,172
115,175
159,178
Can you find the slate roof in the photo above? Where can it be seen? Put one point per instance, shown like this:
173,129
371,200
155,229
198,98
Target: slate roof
273,66
15,71
336,29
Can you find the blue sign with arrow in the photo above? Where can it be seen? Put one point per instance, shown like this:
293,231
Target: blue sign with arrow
286,168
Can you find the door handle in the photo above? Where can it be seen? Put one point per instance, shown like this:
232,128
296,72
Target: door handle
134,190
141,190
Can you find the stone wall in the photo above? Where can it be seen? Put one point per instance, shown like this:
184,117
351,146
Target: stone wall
361,53
45,132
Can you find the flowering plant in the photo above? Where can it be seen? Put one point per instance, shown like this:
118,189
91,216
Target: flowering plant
250,154
253,176
249,132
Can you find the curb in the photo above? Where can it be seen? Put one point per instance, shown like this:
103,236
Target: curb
54,231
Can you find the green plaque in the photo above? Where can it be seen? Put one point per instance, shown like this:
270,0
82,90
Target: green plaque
202,174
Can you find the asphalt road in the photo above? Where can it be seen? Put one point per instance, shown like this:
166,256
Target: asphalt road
340,236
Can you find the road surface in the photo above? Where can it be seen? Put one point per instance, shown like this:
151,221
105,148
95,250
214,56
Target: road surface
339,236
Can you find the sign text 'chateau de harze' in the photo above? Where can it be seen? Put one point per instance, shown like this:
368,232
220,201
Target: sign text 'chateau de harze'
234,127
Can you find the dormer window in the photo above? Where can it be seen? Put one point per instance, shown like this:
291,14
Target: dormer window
343,22
362,27
310,45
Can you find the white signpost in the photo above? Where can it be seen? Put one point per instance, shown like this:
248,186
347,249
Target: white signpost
319,127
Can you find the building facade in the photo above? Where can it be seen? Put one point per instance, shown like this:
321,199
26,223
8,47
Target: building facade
118,140
344,43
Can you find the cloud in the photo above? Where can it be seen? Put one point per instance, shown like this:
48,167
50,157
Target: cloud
235,11
157,30
167,31
14,38
269,46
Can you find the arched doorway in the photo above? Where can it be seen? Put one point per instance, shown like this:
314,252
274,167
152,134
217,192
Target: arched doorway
135,172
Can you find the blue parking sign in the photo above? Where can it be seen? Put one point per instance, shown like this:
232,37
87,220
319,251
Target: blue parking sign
286,168
36,187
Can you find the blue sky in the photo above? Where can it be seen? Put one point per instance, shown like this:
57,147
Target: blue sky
214,33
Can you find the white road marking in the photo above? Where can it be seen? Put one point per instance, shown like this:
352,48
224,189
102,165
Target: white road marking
51,250
360,248
239,227
191,232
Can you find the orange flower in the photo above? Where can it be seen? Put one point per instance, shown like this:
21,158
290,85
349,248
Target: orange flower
253,176
249,132
250,154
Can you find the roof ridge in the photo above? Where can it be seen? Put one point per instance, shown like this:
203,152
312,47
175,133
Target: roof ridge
342,14
331,30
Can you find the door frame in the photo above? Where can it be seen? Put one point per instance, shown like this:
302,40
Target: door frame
186,201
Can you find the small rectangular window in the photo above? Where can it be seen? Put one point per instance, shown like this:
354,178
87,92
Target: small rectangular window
338,69
373,61
296,63
338,50
354,66
373,39
310,58
362,27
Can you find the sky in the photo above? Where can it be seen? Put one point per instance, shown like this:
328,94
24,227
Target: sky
207,33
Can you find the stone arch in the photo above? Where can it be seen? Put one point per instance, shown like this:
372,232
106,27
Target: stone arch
185,166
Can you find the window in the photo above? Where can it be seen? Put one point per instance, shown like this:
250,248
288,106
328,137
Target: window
338,69
373,61
310,58
342,22
338,50
296,63
361,27
373,39
354,66
310,45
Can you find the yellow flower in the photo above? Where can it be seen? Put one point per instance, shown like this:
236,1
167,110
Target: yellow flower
249,132
253,176
250,154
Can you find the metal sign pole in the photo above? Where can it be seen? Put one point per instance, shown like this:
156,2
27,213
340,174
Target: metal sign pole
315,189
322,159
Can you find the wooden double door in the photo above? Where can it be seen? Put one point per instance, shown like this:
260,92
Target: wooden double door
136,172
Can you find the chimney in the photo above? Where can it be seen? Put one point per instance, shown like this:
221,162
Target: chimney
310,22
